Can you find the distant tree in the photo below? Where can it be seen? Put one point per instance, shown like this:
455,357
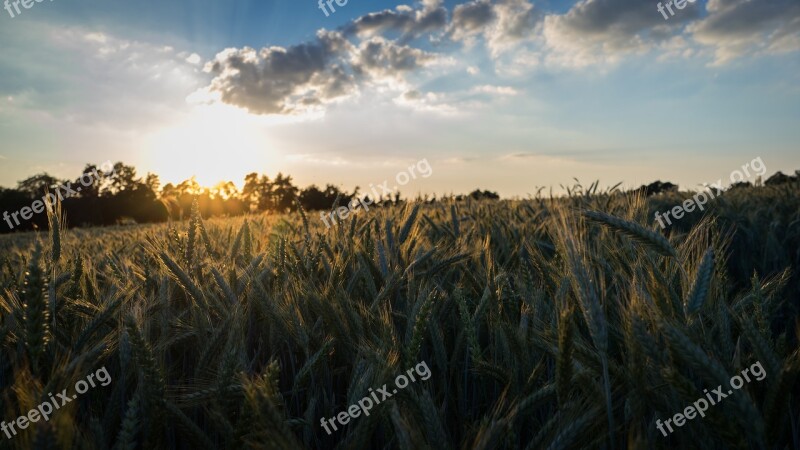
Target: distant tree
124,179
36,185
250,190
189,187
153,182
13,200
657,187
741,185
284,193
314,199
92,189
779,178
257,192
485,195
225,190
169,190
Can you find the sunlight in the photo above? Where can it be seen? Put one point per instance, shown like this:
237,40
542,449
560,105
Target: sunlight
214,143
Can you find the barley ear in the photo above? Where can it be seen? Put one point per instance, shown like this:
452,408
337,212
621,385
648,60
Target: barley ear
36,313
126,438
420,325
54,221
191,235
702,282
564,361
652,239
406,229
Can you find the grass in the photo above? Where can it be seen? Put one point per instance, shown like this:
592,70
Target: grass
547,323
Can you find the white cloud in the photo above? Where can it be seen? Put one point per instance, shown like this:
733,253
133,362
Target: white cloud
495,90
193,59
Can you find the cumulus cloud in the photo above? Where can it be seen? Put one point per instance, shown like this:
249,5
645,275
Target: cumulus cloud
304,77
277,80
597,31
471,19
500,24
602,31
408,21
734,28
381,58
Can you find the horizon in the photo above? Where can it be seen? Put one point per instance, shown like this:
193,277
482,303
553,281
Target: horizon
743,174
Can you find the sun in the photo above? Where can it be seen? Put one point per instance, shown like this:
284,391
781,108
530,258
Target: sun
213,143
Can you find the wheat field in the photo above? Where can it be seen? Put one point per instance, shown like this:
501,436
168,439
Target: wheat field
548,323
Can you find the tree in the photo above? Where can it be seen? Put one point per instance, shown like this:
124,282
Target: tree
189,187
312,198
225,190
485,195
284,193
36,185
125,179
257,192
153,182
94,186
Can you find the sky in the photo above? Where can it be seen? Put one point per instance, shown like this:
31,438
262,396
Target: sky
507,95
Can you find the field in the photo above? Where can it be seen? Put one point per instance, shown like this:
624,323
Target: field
546,323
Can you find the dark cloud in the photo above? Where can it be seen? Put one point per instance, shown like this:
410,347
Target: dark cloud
385,58
519,18
276,80
471,18
501,23
409,22
600,30
737,27
624,17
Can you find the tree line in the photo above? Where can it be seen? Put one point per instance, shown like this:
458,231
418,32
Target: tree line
127,197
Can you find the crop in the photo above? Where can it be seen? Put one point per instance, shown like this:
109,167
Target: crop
547,323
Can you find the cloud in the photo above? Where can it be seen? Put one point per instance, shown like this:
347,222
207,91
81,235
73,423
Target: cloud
193,59
495,90
600,31
306,77
385,48
277,80
409,22
470,19
429,102
734,28
380,58
99,80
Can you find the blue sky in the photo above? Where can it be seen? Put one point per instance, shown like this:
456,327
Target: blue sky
505,95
